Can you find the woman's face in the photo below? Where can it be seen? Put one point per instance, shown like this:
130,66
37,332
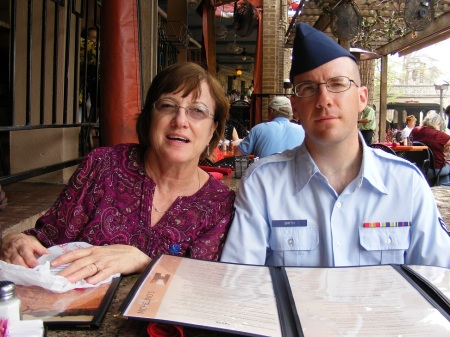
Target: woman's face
178,137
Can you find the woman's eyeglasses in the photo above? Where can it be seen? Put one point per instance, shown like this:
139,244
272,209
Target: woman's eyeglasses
334,84
194,111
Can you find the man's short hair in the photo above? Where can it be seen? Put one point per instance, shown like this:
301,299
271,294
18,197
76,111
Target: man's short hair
410,118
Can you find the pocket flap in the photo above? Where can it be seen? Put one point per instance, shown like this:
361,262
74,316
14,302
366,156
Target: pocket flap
384,238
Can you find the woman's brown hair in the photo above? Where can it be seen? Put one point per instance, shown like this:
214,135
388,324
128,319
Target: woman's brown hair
185,77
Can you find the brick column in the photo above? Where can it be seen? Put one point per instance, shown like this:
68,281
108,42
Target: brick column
276,61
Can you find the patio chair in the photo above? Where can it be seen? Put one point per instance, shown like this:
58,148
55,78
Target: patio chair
240,112
240,129
383,147
419,158
226,162
434,179
205,162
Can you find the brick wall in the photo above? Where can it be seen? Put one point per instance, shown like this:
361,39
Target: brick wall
276,58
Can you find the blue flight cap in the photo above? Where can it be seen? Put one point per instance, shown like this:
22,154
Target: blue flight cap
312,48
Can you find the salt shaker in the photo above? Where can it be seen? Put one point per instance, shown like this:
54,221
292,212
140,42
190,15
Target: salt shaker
9,302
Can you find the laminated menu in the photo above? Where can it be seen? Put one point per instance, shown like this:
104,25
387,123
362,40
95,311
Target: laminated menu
53,299
79,308
285,301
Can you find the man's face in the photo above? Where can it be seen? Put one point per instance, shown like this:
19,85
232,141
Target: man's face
411,123
329,117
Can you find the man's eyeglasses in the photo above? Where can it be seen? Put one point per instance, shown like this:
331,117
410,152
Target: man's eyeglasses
335,84
194,111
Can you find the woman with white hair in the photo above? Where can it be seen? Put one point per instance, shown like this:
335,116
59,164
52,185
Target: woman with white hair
438,142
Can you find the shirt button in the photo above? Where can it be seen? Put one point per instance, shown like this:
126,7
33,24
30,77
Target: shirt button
338,204
338,243
291,241
388,241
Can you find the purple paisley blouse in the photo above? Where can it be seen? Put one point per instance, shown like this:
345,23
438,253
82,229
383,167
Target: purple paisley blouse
108,200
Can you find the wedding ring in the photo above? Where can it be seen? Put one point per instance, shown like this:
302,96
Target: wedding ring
98,269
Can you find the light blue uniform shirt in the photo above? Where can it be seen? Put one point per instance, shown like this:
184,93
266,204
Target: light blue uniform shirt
272,137
287,214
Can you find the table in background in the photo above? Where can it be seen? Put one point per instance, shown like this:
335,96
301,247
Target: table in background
401,148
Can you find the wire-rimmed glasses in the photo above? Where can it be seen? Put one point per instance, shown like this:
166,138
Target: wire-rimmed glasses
335,84
194,111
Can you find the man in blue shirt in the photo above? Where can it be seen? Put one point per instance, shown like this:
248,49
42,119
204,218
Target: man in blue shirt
333,201
275,136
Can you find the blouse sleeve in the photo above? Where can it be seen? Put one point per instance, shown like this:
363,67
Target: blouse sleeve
70,213
209,245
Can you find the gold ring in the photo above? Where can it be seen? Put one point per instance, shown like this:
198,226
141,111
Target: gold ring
98,269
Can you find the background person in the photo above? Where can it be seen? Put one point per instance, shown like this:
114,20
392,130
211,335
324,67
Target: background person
438,142
230,133
249,91
410,124
135,201
88,59
367,124
447,112
333,201
275,136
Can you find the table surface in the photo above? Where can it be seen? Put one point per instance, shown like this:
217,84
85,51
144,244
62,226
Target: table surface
113,326
409,148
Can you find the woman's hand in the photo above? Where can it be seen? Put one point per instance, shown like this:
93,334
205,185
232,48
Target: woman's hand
20,249
97,263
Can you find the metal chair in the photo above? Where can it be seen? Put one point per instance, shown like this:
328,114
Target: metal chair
240,112
434,179
241,129
205,162
228,162
383,147
419,158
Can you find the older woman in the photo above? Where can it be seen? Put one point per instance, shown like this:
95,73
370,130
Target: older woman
135,201
438,142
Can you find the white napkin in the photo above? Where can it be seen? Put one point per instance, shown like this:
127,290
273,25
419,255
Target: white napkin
45,276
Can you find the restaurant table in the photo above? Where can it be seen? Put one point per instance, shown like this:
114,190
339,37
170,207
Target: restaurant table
404,148
401,148
227,154
114,326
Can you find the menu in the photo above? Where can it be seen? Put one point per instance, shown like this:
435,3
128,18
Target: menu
284,301
79,308
353,302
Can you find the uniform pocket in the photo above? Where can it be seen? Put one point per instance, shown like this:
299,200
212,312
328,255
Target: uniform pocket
295,238
295,246
383,245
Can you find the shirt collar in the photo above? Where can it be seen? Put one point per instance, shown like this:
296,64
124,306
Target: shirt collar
306,168
281,119
370,169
